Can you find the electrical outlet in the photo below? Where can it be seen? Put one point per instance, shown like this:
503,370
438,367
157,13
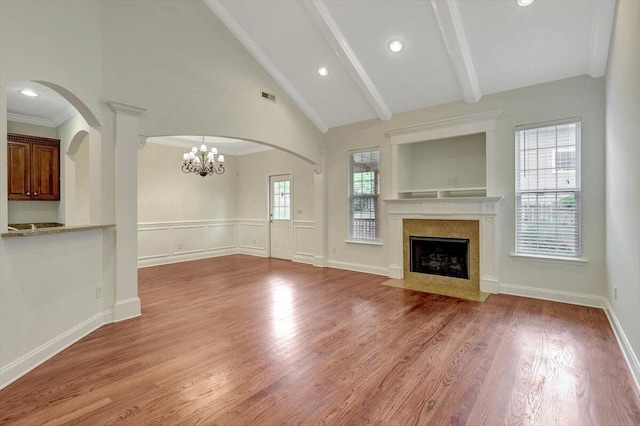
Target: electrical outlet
299,211
453,180
254,242
179,246
333,250
98,292
615,293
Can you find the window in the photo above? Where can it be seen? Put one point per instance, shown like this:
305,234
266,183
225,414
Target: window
281,203
364,194
548,189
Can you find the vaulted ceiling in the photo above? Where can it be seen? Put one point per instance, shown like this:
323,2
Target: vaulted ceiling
452,49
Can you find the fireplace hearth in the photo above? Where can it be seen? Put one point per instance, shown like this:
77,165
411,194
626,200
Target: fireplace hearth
447,257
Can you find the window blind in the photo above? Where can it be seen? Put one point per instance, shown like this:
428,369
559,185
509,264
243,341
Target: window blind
364,194
548,189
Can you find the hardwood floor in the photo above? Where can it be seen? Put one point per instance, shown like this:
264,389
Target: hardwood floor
242,340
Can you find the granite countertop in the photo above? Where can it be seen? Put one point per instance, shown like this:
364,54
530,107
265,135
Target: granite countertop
55,229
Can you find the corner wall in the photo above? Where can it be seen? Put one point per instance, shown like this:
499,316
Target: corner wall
623,179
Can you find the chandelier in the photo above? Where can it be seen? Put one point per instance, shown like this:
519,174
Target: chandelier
203,162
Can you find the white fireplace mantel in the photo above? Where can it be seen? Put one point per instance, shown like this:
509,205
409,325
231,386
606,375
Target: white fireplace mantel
483,209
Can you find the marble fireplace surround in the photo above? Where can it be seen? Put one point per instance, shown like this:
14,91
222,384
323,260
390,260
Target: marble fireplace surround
485,210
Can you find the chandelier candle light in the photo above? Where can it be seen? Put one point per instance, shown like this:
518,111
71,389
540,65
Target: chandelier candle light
203,163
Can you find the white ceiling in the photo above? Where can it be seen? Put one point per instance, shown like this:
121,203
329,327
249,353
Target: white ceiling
226,146
49,109
453,49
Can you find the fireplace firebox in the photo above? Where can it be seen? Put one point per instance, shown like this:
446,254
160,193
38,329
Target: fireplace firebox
448,257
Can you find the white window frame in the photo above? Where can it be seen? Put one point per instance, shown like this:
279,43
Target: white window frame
523,245
353,237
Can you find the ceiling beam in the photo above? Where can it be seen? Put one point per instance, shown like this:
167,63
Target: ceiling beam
600,36
455,40
339,43
223,14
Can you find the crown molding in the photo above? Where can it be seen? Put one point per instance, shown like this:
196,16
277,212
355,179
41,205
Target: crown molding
450,127
340,45
126,109
601,27
232,25
27,119
455,40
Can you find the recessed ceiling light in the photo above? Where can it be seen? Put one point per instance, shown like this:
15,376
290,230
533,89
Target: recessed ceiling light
29,93
524,2
323,71
395,46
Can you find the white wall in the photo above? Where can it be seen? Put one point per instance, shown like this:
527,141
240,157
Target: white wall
454,162
253,184
194,77
167,194
579,96
623,174
82,180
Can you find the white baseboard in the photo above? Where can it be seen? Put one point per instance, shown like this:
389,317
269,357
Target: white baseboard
396,272
127,309
31,360
319,261
166,260
489,286
367,269
251,251
554,295
625,346
303,258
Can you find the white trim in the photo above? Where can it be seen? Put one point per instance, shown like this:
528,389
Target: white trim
455,40
553,259
223,14
449,127
367,269
252,251
365,242
126,109
27,119
145,262
127,309
36,357
63,115
600,37
554,295
626,348
340,45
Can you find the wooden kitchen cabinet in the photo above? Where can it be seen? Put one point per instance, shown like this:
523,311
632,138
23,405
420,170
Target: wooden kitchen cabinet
33,167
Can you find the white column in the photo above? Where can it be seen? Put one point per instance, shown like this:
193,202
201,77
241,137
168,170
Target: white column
126,208
320,212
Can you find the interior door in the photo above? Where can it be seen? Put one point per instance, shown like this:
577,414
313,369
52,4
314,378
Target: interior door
280,201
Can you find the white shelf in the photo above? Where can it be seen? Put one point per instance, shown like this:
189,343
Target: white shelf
445,192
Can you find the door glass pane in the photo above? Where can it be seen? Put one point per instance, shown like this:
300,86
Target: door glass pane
281,201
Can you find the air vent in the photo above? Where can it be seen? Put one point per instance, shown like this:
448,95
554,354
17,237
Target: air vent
269,97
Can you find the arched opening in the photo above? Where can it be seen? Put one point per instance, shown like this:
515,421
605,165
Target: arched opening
54,117
183,216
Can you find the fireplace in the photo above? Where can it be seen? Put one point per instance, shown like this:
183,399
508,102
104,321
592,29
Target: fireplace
448,257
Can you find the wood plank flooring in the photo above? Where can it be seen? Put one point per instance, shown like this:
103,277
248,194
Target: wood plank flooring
241,340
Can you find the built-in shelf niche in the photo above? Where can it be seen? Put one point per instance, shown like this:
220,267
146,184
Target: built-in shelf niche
442,168
448,158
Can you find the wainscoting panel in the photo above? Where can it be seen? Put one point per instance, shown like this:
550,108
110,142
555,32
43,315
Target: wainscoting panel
154,242
170,242
303,241
252,234
189,239
222,236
